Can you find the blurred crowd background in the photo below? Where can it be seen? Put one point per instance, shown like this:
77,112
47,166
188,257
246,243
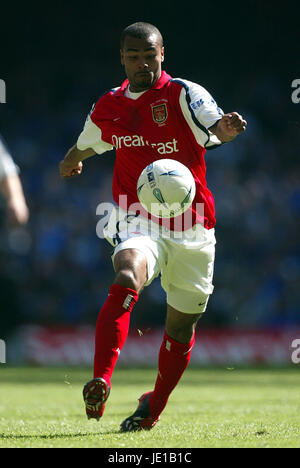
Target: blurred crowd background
56,61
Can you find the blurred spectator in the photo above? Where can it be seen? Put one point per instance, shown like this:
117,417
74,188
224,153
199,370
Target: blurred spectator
11,188
15,211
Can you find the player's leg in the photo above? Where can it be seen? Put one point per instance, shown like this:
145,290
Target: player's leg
174,356
113,320
188,283
112,326
179,326
187,279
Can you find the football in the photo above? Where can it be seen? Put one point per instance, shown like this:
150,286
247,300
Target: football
166,188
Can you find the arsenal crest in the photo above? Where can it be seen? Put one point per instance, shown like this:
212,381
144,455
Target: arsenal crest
160,113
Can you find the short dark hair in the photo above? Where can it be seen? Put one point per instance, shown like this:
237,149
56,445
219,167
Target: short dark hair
140,30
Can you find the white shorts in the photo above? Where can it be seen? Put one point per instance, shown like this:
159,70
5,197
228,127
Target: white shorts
185,260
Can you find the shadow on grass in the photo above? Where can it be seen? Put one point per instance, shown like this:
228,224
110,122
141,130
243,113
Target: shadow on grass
56,436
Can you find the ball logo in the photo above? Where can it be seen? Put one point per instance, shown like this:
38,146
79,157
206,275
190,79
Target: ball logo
187,198
158,195
160,113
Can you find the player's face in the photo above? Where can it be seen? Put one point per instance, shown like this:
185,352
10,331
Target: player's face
142,59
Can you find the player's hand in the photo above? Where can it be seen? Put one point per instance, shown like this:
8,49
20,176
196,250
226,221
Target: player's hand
68,169
232,124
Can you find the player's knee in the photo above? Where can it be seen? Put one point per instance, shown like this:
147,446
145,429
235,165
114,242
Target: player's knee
182,334
179,326
128,279
131,269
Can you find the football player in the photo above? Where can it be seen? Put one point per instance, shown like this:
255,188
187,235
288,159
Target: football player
152,116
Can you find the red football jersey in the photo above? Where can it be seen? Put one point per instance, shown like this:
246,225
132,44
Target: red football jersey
162,122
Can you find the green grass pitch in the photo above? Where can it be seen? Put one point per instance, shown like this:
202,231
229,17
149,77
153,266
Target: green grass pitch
240,407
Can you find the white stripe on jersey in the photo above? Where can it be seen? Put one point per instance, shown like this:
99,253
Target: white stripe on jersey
199,110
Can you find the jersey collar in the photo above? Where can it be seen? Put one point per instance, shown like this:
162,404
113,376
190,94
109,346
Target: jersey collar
164,78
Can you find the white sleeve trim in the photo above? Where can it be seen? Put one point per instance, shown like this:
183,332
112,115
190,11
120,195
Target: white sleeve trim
91,137
7,165
200,111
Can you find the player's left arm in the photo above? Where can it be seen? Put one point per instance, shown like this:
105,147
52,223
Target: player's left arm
211,127
229,126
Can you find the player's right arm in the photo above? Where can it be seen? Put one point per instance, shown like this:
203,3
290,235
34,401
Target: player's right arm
72,165
89,143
